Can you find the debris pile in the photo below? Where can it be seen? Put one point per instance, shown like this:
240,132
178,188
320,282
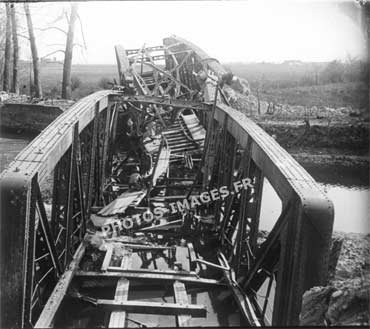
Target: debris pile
246,103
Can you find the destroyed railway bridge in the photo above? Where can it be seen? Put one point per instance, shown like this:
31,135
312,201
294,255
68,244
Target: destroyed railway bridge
198,136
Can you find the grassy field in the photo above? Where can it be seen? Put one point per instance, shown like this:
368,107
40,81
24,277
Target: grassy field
89,76
290,83
333,84
342,94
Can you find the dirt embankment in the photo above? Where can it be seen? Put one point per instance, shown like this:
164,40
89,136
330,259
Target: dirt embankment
345,300
19,115
311,134
27,118
318,142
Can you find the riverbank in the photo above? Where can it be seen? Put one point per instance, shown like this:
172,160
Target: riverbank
328,156
345,300
317,134
19,116
320,142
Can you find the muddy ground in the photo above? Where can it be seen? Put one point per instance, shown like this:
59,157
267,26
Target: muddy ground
345,300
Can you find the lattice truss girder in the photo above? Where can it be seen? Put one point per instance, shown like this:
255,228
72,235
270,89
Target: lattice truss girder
237,216
77,184
154,80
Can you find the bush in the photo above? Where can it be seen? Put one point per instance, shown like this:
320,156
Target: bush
75,82
104,83
334,72
55,92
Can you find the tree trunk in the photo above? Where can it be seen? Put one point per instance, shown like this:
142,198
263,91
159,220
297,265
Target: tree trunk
15,85
66,85
35,59
259,102
7,54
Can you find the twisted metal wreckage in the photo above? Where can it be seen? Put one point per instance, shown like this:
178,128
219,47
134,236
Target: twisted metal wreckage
155,119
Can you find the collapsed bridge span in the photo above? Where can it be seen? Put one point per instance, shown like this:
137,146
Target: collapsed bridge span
114,167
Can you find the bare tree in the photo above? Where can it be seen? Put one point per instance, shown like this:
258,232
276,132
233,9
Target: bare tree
69,45
2,38
7,55
66,84
35,59
15,85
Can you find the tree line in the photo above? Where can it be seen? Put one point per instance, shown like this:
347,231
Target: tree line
302,74
9,43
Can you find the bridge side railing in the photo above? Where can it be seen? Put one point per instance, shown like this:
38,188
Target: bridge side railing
295,253
67,161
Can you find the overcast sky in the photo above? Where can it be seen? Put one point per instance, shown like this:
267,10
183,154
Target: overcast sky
245,31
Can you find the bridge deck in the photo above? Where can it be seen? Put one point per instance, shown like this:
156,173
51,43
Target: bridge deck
193,225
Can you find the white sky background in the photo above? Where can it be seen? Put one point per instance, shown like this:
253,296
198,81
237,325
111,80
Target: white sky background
231,31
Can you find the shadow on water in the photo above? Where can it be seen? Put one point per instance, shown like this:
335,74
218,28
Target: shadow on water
356,177
348,188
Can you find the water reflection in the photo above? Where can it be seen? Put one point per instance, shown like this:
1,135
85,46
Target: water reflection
10,146
350,207
347,187
271,207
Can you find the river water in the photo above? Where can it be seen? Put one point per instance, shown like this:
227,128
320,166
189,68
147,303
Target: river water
347,187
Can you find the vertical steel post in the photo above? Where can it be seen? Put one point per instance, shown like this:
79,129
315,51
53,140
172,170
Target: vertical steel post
71,185
29,270
91,180
105,150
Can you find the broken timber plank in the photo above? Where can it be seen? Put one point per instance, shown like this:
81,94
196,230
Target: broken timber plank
162,164
134,306
107,257
119,205
117,318
175,103
178,186
145,270
165,226
181,297
123,64
146,247
181,255
47,315
128,240
168,197
126,261
180,179
150,277
192,257
197,131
